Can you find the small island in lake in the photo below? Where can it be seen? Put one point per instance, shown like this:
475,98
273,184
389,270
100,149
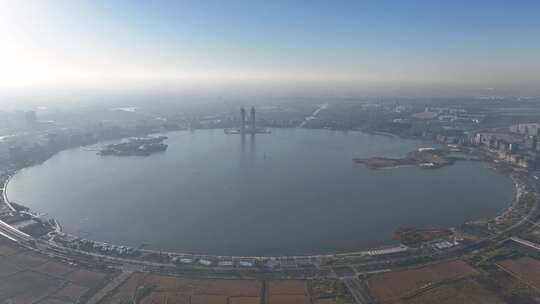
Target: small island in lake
136,147
423,157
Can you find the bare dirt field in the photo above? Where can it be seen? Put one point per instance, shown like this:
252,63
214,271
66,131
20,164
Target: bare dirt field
330,301
396,284
170,289
208,299
27,260
465,291
165,297
70,293
244,288
287,287
288,299
287,292
7,269
54,268
245,300
525,269
86,278
7,250
27,286
28,277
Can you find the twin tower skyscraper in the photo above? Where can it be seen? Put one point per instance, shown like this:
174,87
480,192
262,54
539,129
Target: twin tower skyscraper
252,126
247,127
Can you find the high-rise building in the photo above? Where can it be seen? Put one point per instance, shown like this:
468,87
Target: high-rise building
252,119
243,120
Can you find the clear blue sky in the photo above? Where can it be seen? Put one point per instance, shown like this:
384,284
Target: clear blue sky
134,43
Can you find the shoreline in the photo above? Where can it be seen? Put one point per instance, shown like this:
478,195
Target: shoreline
195,260
307,255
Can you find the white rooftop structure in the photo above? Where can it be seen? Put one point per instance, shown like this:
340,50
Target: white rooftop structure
389,250
205,262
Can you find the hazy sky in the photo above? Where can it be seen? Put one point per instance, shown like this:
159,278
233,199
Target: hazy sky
173,43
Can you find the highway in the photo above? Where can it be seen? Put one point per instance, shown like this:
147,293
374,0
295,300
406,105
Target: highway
313,115
4,194
526,243
358,291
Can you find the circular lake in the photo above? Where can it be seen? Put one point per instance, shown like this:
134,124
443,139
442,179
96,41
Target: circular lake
295,191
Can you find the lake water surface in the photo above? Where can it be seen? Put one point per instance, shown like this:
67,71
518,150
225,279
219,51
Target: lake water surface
295,191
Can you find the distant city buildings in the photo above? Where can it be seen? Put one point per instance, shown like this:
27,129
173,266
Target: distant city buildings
519,147
526,129
245,126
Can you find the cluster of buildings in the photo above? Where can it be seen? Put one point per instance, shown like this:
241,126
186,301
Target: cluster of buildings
75,242
211,261
518,147
110,248
247,127
243,262
449,114
24,147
